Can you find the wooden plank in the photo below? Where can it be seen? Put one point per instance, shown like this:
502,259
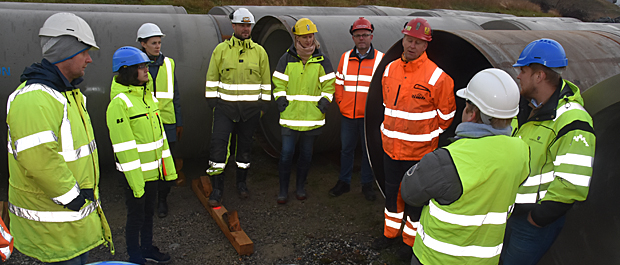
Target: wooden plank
239,239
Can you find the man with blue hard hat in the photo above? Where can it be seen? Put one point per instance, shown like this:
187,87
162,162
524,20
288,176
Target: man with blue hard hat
559,131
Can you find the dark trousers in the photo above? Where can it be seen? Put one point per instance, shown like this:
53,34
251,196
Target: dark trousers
79,260
306,143
352,131
163,187
524,243
139,227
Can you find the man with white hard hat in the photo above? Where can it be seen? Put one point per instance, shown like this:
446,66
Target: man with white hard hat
467,188
54,204
238,89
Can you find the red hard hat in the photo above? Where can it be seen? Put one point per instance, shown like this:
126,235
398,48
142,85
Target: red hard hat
361,23
418,28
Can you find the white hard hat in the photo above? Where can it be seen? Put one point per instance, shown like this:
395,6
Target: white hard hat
60,24
242,15
494,92
148,30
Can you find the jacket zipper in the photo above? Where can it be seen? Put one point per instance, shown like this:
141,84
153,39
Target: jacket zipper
357,82
397,92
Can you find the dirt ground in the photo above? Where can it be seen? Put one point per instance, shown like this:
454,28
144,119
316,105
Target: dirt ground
320,230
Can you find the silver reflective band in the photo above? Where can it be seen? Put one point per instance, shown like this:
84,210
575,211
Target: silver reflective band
327,95
54,217
494,218
387,69
539,179
411,137
68,196
212,84
361,89
243,165
281,76
83,151
530,197
573,159
446,117
169,93
392,224
211,94
575,179
279,94
150,166
566,107
302,123
165,153
216,165
409,115
6,251
34,140
394,215
124,98
327,77
436,74
266,97
238,97
459,251
238,87
303,98
129,166
150,146
121,147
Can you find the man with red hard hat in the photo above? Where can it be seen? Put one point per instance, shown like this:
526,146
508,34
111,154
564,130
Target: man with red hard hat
419,105
355,71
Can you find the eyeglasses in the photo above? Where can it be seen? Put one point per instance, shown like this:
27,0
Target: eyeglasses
142,66
361,35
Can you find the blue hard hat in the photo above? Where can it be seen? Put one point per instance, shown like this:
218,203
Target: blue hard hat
128,56
111,263
543,51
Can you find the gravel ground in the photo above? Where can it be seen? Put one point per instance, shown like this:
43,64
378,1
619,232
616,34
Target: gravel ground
320,230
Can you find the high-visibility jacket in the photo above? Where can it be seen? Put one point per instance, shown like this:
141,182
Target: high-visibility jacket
52,156
239,77
353,80
138,136
562,140
6,242
470,230
303,86
165,89
419,105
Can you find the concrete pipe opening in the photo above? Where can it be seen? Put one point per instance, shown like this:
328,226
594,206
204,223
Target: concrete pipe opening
162,9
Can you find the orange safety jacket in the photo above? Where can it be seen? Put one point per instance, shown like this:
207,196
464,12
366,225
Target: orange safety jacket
419,105
353,79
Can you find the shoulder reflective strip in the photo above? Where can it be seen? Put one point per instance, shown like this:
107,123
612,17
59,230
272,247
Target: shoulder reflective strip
538,179
387,69
84,98
411,137
446,117
125,98
68,196
239,97
211,94
566,107
120,147
212,84
579,180
436,74
345,64
35,140
150,165
243,165
410,116
265,97
280,94
302,123
169,93
281,76
459,251
394,215
150,146
329,96
303,98
165,153
377,61
360,89
216,165
238,87
6,251
35,87
392,224
327,77
129,166
83,151
339,82
154,98
574,159
266,87
56,216
494,218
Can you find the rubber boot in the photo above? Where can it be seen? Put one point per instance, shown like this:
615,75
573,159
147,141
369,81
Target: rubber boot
301,183
162,206
217,182
242,188
284,181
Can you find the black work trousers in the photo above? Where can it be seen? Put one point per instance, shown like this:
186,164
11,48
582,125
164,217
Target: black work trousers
139,227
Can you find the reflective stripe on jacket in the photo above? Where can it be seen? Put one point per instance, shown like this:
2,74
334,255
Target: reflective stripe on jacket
164,90
470,230
138,136
419,105
303,86
353,80
562,143
239,76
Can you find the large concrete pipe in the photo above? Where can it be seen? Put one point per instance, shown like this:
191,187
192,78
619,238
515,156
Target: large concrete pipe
547,23
190,39
164,9
261,11
274,34
453,13
593,57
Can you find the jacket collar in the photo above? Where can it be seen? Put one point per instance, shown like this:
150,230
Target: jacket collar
371,53
48,74
415,63
548,110
317,55
236,42
159,61
118,88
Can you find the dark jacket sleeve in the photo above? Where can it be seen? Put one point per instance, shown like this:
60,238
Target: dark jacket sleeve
434,177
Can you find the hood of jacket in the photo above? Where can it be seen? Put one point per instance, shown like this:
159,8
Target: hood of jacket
241,44
118,88
48,74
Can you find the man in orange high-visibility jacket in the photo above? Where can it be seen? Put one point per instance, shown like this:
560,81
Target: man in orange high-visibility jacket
355,72
419,105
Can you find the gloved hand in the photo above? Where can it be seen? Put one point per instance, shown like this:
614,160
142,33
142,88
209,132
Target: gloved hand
323,105
76,204
88,194
212,102
179,132
282,103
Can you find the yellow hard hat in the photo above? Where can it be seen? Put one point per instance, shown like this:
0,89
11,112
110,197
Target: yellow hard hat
304,26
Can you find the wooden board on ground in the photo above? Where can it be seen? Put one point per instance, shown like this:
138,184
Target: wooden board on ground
239,239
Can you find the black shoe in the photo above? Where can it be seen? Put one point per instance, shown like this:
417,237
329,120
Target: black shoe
340,188
382,243
162,209
215,199
242,188
155,256
369,191
405,252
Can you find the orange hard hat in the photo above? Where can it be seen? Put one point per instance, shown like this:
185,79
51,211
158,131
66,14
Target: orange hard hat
418,28
362,23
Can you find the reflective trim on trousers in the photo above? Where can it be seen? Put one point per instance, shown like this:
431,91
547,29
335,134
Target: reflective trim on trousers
54,217
216,165
243,165
394,215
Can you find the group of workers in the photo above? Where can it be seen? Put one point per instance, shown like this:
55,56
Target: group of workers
498,193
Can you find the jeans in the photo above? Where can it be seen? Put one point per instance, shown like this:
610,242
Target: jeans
306,143
79,260
525,243
350,131
139,226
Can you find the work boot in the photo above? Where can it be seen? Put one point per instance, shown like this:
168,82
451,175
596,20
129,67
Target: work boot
369,191
217,183
382,243
242,187
301,190
340,188
284,182
162,207
154,255
405,252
